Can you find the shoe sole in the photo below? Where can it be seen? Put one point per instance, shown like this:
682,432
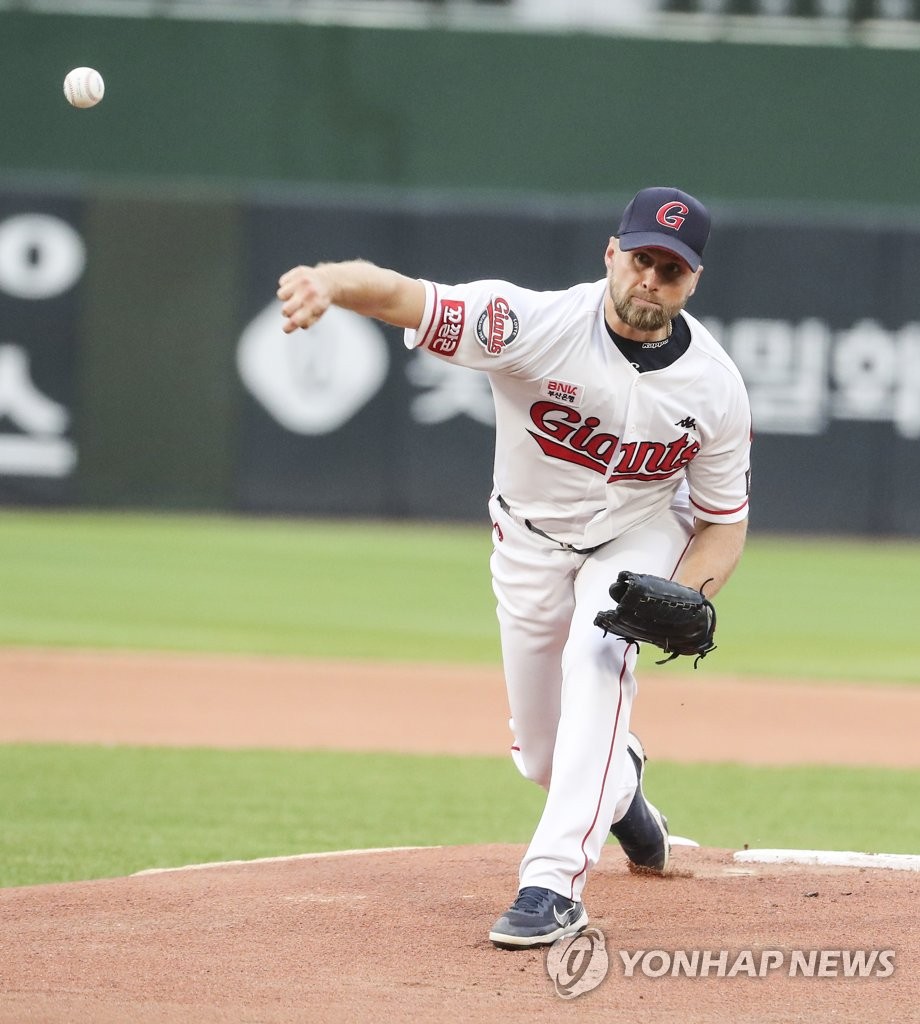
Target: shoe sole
660,820
504,941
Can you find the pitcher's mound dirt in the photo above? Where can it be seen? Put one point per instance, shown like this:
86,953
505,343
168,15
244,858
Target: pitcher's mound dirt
402,936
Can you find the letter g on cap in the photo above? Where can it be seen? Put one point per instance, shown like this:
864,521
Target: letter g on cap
672,215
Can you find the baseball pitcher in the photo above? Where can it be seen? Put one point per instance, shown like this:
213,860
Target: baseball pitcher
619,509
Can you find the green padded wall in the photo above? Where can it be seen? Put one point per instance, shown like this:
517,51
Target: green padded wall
567,114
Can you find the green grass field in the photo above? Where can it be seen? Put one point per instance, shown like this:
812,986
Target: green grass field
811,608
75,812
806,608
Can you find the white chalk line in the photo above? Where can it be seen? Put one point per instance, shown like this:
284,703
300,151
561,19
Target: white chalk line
280,860
831,858
675,841
813,858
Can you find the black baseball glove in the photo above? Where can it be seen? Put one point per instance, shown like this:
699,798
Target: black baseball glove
678,619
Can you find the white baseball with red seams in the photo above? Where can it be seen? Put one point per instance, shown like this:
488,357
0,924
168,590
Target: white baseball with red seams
592,454
84,87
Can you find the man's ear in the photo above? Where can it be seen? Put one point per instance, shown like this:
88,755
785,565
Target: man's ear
611,251
696,279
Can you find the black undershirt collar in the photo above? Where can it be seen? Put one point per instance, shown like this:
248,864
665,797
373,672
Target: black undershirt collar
654,355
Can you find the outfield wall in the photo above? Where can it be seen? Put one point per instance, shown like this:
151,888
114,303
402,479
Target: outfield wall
140,243
142,362
460,110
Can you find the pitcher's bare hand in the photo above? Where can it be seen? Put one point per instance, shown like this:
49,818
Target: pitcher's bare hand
306,295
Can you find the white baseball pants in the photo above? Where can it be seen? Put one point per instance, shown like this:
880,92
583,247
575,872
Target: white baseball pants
570,688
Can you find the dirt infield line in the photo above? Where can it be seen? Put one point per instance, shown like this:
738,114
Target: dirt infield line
236,701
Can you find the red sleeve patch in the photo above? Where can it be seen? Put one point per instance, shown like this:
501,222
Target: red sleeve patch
448,327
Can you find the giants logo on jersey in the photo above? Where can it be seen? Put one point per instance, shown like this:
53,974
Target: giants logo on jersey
672,215
497,326
563,434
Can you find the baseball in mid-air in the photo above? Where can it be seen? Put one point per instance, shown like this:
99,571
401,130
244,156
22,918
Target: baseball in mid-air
84,87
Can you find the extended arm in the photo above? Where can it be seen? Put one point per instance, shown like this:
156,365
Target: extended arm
714,553
307,292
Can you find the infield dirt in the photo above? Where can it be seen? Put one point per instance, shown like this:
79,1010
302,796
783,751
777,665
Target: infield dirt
401,935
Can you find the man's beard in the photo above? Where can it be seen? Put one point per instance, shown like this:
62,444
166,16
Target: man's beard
642,318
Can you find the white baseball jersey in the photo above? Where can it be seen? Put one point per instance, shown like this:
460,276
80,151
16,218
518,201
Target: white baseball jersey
587,447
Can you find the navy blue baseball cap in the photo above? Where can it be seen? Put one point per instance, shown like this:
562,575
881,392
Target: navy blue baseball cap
666,218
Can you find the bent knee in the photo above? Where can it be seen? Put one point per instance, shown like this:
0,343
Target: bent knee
599,655
538,769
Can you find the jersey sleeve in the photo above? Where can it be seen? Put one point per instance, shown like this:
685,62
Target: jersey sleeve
720,475
484,325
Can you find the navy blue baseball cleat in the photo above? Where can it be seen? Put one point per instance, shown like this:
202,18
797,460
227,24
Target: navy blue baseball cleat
537,918
643,829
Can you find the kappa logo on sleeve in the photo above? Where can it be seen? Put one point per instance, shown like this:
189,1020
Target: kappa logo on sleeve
449,327
497,326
